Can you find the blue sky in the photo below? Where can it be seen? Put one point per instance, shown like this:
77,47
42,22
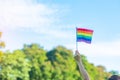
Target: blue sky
53,22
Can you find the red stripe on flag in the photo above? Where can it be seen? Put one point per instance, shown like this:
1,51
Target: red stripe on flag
84,30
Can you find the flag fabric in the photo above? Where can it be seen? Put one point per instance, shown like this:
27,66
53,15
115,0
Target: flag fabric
84,35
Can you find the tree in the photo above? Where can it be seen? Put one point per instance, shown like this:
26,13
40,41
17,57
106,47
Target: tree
34,63
2,44
64,66
113,72
15,66
40,66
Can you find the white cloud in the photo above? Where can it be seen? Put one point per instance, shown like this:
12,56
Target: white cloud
101,49
25,14
21,13
98,49
107,48
38,17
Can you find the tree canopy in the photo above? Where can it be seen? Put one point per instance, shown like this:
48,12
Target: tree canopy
34,63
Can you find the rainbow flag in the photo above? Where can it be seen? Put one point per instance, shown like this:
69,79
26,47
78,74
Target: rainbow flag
84,35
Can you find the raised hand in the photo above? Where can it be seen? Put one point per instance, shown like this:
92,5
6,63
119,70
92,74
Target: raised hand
77,56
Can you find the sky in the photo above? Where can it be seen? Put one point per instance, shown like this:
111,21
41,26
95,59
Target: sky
53,22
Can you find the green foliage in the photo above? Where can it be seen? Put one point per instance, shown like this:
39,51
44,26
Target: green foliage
14,66
63,63
113,72
37,58
2,45
35,63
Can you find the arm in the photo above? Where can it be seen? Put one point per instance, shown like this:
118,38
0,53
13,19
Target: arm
81,67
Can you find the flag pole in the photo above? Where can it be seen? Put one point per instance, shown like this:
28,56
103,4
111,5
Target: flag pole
76,40
76,46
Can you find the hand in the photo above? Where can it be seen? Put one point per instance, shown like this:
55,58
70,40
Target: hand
77,56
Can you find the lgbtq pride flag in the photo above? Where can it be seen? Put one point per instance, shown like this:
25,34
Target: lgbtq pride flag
84,35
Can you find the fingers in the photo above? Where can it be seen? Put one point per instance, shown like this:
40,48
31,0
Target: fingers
76,57
77,52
